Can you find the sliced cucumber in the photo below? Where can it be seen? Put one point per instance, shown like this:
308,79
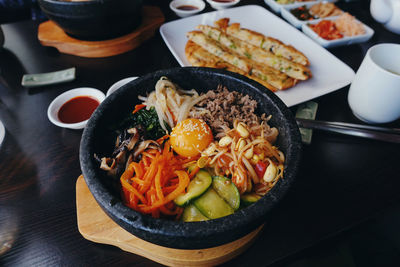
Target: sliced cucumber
192,214
248,199
200,183
227,190
212,205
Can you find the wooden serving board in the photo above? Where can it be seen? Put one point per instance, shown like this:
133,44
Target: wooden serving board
96,226
50,34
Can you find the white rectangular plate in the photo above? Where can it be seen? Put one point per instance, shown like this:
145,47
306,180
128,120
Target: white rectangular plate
329,73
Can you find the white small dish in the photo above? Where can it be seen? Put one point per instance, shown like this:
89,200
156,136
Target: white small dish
221,4
175,5
346,40
2,132
59,101
119,84
277,7
286,14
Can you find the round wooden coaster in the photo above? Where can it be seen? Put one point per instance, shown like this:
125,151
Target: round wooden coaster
49,34
96,226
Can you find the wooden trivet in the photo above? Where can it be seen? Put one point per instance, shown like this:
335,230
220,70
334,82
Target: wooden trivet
96,226
50,34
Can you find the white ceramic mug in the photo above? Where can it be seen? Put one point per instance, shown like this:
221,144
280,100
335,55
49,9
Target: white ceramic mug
387,12
374,94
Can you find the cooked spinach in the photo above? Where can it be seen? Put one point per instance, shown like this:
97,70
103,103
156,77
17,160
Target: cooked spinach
145,119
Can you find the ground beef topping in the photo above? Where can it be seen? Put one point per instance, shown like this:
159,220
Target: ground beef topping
221,108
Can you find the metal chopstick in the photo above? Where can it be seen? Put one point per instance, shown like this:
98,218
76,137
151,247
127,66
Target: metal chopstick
359,130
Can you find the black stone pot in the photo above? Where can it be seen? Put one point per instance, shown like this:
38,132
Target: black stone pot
97,139
94,19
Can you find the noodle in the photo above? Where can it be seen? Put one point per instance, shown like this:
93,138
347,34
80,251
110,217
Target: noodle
171,103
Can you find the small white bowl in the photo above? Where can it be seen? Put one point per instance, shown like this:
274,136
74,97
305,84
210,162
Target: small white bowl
174,5
119,84
56,104
222,5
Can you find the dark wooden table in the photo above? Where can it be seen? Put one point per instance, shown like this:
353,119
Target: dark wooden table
342,180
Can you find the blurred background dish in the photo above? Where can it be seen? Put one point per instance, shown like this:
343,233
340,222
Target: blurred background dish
73,108
387,12
185,8
94,19
278,5
1,37
2,132
119,84
221,4
297,16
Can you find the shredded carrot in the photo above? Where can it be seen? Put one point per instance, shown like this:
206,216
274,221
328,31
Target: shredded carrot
194,171
138,107
149,155
161,139
151,185
133,190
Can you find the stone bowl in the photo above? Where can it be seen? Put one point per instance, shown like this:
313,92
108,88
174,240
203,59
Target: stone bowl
94,19
97,139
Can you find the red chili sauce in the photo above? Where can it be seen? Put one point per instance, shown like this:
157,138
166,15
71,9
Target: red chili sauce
77,109
187,7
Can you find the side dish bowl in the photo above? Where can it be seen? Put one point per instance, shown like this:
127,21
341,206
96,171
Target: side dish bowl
222,4
98,140
186,8
62,99
119,84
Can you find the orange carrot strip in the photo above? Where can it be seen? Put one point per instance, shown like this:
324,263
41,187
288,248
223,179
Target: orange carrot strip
132,189
138,107
169,189
166,211
161,139
144,153
133,199
128,173
194,172
148,177
138,169
183,183
157,182
137,181
145,161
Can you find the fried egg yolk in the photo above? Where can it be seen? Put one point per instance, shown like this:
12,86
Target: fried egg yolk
190,136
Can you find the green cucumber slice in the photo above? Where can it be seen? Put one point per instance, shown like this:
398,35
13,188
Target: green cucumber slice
200,183
248,199
212,205
227,190
192,214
